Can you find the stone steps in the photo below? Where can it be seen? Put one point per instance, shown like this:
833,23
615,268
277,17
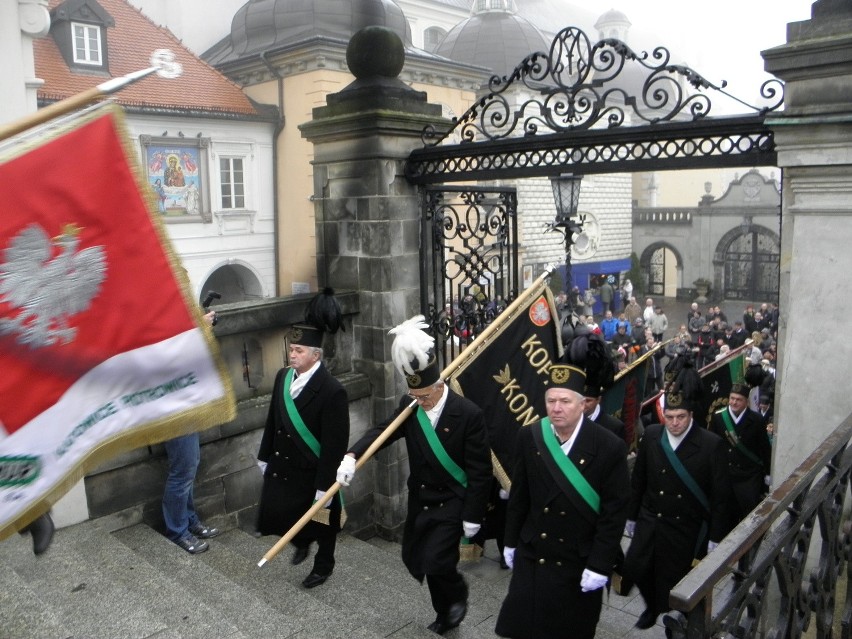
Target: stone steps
133,582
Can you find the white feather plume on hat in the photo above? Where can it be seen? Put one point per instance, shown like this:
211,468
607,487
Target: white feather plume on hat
410,343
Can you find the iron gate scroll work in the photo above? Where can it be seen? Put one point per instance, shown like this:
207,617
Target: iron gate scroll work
472,270
576,119
583,119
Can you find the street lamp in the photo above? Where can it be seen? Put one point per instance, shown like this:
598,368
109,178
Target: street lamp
566,194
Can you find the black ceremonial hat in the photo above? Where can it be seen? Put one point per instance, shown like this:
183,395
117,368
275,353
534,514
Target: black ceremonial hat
322,315
565,376
306,335
413,353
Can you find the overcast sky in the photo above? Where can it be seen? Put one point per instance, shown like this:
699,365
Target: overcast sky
721,39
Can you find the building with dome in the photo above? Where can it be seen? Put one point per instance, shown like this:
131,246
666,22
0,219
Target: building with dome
290,54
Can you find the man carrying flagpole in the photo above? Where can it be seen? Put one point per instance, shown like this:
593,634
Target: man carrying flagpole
450,472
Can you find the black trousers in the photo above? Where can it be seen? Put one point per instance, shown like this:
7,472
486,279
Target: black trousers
446,590
326,538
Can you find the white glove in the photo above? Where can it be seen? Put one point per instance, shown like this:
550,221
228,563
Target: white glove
262,466
504,494
629,528
470,529
767,480
319,495
509,556
711,546
592,581
346,470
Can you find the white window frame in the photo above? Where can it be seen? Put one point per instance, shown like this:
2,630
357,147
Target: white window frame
92,51
230,184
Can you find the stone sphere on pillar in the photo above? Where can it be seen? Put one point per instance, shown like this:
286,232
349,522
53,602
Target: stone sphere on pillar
375,51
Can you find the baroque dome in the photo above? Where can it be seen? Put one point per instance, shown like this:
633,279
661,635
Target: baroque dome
496,40
262,25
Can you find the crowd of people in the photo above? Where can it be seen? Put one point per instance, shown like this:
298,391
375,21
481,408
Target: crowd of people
572,496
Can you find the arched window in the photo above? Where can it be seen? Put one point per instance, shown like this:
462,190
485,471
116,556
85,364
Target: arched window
432,37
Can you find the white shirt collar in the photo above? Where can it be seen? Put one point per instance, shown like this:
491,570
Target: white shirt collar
675,441
434,413
736,418
566,445
596,412
301,380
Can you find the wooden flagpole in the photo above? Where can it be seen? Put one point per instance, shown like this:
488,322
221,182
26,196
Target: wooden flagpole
162,63
503,318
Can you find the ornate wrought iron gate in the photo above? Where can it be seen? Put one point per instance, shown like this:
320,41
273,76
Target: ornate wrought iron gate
469,264
751,268
575,123
657,272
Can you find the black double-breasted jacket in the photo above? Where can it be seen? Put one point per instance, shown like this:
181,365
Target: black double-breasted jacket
552,526
751,432
672,525
294,473
437,503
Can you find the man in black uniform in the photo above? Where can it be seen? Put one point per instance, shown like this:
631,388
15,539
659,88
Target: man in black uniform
307,430
748,451
450,472
592,410
679,504
566,515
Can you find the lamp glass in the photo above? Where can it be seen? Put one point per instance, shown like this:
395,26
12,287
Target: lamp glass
566,194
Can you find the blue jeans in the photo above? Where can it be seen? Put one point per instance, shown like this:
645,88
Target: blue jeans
184,454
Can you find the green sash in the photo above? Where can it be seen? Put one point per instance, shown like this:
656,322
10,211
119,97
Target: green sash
293,413
681,471
437,447
732,435
693,487
571,472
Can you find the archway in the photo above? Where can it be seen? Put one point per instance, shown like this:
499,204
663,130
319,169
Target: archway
748,258
235,282
660,263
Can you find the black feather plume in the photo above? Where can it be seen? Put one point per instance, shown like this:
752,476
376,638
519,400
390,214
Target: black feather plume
590,352
323,312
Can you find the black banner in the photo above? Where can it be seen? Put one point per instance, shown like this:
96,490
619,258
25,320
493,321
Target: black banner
507,375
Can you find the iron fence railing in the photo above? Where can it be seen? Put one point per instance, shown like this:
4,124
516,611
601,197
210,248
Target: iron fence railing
778,570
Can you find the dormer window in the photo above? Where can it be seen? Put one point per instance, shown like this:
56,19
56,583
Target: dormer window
87,44
79,29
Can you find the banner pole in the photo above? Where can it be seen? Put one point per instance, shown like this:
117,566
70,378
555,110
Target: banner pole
448,371
163,64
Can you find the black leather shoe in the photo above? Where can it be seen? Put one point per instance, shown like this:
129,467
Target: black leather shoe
299,556
457,612
315,579
438,626
647,619
42,530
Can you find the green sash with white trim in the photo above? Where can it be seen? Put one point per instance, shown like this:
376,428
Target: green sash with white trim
571,472
293,413
322,516
735,440
455,471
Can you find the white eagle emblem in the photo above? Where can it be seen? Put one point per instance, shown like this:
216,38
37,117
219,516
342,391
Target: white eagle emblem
45,291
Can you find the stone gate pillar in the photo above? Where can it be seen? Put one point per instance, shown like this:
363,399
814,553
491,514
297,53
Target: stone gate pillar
814,140
368,218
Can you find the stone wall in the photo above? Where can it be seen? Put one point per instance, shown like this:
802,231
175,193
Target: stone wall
228,483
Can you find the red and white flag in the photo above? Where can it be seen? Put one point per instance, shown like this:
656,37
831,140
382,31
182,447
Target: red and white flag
102,347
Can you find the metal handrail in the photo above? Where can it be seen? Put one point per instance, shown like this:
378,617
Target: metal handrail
774,541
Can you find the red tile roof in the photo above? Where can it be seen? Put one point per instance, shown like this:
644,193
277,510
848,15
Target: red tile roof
130,44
